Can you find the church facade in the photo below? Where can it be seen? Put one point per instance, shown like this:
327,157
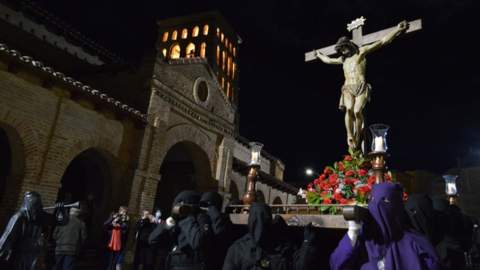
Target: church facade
77,137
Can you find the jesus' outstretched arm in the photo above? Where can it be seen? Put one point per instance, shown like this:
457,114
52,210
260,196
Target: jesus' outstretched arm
401,28
328,60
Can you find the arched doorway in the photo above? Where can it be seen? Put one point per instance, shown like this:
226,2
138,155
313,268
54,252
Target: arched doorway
12,169
88,179
277,201
185,166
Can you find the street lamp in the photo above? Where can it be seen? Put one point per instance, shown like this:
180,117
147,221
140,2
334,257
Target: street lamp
451,187
255,159
311,172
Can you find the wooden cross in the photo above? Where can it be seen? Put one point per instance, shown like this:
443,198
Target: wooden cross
356,28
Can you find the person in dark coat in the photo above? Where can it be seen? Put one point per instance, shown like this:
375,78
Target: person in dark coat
422,217
69,239
143,250
388,244
309,255
23,239
186,234
456,238
222,235
256,249
117,228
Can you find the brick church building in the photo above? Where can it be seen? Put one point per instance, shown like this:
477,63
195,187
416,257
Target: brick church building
75,132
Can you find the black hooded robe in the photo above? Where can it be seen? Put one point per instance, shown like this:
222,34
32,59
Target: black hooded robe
187,239
23,240
260,248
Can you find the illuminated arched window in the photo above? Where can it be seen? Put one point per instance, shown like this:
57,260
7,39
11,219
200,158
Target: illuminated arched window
218,55
234,51
234,67
218,32
226,43
195,31
175,51
174,35
221,37
184,33
229,65
190,50
223,60
165,36
223,82
164,52
203,50
205,30
229,90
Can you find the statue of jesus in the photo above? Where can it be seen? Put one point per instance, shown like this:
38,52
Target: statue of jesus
355,90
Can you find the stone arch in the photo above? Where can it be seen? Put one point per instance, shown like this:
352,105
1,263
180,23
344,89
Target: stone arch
92,178
186,166
186,132
12,169
277,200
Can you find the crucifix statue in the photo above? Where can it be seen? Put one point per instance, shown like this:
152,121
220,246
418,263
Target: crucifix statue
355,92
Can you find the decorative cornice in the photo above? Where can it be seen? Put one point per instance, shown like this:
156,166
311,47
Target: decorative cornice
74,84
50,21
202,60
194,114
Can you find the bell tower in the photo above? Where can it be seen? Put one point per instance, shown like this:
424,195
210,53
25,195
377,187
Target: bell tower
207,37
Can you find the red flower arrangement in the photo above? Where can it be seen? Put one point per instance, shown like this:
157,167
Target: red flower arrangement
346,182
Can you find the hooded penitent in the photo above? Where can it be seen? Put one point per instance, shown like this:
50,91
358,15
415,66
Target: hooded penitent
259,223
421,216
32,205
187,197
22,240
388,245
211,199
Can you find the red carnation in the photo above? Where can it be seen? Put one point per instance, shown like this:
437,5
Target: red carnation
348,158
327,171
327,201
338,196
349,173
322,177
340,166
362,172
333,179
364,189
343,201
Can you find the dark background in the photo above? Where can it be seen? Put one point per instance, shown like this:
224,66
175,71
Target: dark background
425,84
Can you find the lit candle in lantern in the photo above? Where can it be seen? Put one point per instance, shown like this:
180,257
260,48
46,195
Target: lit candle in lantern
256,149
379,145
255,158
451,189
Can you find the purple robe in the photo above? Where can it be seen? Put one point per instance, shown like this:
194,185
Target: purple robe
383,237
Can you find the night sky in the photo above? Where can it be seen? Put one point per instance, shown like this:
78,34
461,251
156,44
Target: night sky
425,84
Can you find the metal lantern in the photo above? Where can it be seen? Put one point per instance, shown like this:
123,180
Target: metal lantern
379,138
450,184
256,149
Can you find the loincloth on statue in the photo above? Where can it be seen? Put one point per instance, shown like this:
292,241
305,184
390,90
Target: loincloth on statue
355,90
